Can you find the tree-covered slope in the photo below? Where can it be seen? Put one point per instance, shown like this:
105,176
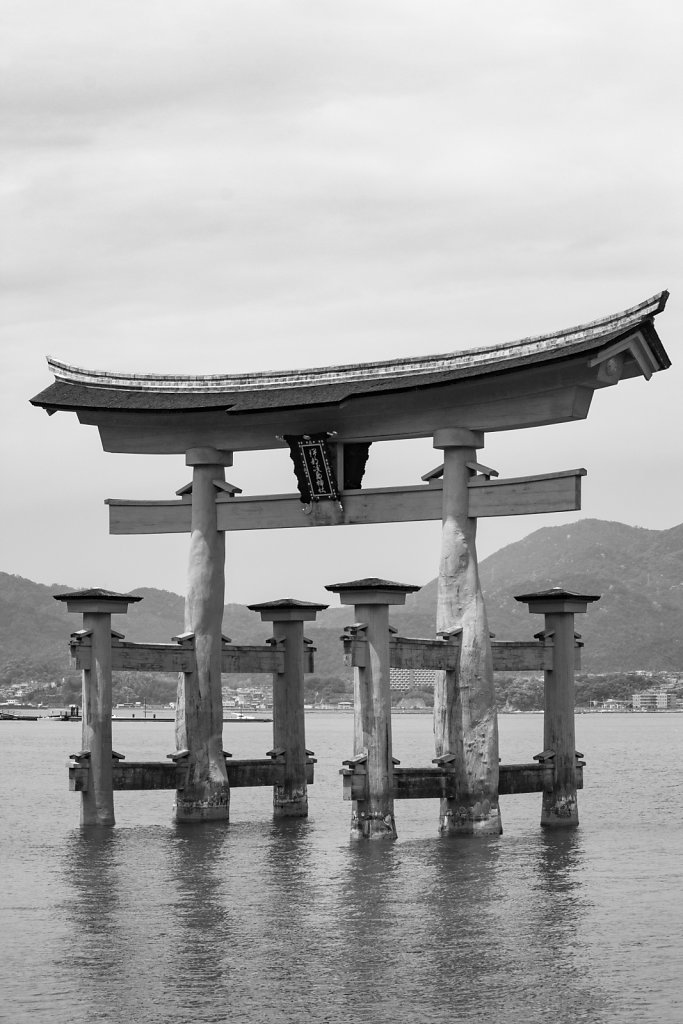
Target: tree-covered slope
636,624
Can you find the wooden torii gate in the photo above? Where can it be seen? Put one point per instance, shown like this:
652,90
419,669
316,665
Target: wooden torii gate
336,413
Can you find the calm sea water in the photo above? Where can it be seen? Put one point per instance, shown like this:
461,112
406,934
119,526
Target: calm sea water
261,921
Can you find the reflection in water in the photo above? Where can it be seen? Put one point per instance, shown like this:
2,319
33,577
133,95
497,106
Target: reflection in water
542,922
106,882
419,923
486,929
153,932
199,919
264,921
560,859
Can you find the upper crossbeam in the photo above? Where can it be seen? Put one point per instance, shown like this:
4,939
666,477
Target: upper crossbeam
549,492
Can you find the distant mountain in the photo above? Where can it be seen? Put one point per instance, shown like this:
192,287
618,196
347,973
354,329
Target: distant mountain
35,629
638,621
637,624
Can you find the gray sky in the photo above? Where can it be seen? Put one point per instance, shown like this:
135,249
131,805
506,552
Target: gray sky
225,185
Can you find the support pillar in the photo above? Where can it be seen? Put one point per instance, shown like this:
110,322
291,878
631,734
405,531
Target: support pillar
465,721
97,608
199,713
560,807
290,800
373,817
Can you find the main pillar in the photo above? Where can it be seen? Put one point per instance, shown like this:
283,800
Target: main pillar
373,817
560,807
290,800
97,608
199,714
465,721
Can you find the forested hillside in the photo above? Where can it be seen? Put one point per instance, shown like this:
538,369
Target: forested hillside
636,625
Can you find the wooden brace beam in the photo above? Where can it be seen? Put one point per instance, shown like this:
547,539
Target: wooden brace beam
548,492
134,657
171,775
439,783
508,656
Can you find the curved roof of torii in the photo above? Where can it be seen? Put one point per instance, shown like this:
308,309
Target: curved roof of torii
537,380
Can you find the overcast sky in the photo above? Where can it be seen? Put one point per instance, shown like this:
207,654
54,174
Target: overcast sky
226,185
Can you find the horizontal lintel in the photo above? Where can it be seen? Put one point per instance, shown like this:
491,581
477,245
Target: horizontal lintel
525,495
549,492
281,511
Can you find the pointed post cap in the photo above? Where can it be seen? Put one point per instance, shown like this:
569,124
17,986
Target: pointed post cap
105,602
557,600
287,609
372,591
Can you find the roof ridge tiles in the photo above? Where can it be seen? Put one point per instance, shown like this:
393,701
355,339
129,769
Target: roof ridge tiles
410,366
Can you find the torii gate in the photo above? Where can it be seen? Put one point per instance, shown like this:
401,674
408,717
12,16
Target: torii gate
330,416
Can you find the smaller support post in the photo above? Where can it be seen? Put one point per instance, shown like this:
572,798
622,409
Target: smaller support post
373,817
560,807
97,608
290,800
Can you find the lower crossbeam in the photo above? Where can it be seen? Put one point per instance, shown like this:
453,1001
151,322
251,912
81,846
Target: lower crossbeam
439,783
163,775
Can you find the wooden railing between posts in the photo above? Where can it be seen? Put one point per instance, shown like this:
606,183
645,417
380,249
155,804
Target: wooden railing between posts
443,654
97,770
97,650
373,778
179,657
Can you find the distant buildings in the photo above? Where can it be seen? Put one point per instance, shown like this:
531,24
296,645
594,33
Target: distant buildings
613,705
654,700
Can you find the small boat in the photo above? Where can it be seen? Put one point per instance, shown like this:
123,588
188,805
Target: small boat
71,714
7,716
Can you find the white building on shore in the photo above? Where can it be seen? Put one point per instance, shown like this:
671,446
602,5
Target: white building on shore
654,700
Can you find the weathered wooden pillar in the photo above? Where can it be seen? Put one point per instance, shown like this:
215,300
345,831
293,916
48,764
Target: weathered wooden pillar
465,721
97,608
199,713
373,817
289,731
560,807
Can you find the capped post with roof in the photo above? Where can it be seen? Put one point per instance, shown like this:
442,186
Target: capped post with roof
373,816
559,606
290,800
97,607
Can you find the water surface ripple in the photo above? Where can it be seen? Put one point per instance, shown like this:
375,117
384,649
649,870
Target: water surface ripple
264,921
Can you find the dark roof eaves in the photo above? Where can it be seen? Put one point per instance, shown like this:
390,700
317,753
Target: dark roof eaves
361,389
72,396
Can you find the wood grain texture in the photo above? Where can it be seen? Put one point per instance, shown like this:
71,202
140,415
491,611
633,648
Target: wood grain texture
560,805
140,657
373,817
438,783
534,397
508,656
97,804
465,721
199,708
290,796
136,775
550,492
